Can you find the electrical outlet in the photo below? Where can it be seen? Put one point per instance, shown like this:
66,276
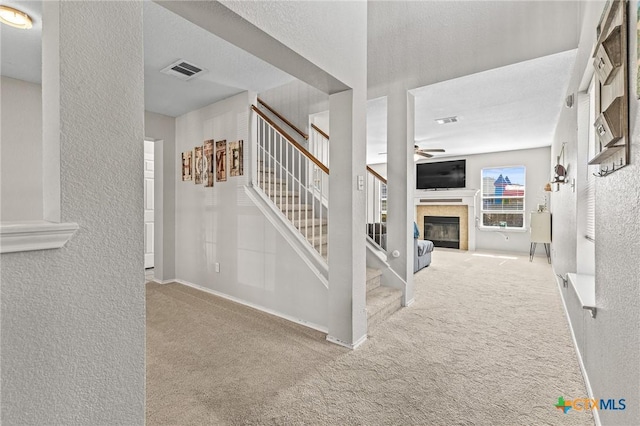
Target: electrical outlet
217,265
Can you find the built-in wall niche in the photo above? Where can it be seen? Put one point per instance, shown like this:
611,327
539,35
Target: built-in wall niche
611,101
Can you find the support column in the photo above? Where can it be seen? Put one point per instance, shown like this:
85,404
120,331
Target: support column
400,187
347,239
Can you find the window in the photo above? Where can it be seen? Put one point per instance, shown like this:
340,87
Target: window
383,202
503,197
590,188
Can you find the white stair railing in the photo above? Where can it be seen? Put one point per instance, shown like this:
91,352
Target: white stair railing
319,148
282,174
376,209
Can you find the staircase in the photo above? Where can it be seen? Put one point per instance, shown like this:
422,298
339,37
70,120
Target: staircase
301,213
382,301
293,180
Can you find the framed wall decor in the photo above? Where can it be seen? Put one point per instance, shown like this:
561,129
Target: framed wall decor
221,161
208,159
611,102
198,165
186,165
236,155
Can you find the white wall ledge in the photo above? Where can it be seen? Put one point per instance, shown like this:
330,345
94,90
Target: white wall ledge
34,235
585,287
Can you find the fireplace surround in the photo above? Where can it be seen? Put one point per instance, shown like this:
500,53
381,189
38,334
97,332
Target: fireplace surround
444,231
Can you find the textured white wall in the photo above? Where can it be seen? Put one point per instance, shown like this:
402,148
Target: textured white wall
163,128
72,319
296,101
324,32
609,344
222,225
21,150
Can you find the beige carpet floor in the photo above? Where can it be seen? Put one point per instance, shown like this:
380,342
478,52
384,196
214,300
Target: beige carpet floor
485,343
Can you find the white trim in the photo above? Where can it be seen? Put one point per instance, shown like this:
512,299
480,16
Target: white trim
585,287
34,235
583,370
352,346
164,282
410,302
254,306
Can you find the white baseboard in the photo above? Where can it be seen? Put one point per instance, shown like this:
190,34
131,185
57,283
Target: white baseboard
164,282
583,370
410,302
254,306
354,345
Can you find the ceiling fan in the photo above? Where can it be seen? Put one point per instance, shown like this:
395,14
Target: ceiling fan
425,152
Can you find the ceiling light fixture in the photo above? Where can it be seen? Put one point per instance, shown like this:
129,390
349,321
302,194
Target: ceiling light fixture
447,120
15,18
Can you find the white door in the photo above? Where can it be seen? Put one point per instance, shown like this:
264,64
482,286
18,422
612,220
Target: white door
148,204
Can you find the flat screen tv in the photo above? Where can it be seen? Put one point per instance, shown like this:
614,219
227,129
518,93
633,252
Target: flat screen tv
441,175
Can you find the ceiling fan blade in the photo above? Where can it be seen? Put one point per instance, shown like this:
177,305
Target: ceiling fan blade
424,154
432,150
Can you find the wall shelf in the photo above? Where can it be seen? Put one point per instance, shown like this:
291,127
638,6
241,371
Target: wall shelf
585,288
34,235
606,154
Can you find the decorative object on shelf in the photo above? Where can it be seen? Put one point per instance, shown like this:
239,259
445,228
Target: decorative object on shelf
208,158
198,165
236,155
560,171
547,187
611,106
568,101
221,161
186,165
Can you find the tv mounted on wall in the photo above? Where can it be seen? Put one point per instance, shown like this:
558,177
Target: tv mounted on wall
441,175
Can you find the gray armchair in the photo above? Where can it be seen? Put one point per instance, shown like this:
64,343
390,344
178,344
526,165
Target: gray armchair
421,250
422,254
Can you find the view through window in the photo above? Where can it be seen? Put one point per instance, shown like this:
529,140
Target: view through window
503,190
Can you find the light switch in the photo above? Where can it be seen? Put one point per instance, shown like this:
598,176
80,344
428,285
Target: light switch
217,265
360,183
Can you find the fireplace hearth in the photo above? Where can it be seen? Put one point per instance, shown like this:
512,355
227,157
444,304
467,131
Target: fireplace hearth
444,231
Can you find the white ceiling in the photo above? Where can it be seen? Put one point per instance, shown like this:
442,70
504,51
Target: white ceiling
418,43
167,38
507,108
428,44
22,49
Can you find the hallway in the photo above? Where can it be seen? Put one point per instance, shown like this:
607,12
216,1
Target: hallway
486,342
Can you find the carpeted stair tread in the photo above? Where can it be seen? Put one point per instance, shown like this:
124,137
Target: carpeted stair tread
381,299
374,277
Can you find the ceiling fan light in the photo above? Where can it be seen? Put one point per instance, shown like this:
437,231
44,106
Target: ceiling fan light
15,18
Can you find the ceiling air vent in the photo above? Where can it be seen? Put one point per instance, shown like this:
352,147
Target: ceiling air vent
183,70
447,120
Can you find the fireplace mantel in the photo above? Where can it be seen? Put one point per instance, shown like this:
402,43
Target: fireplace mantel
452,202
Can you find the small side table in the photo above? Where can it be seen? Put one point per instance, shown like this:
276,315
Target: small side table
540,233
